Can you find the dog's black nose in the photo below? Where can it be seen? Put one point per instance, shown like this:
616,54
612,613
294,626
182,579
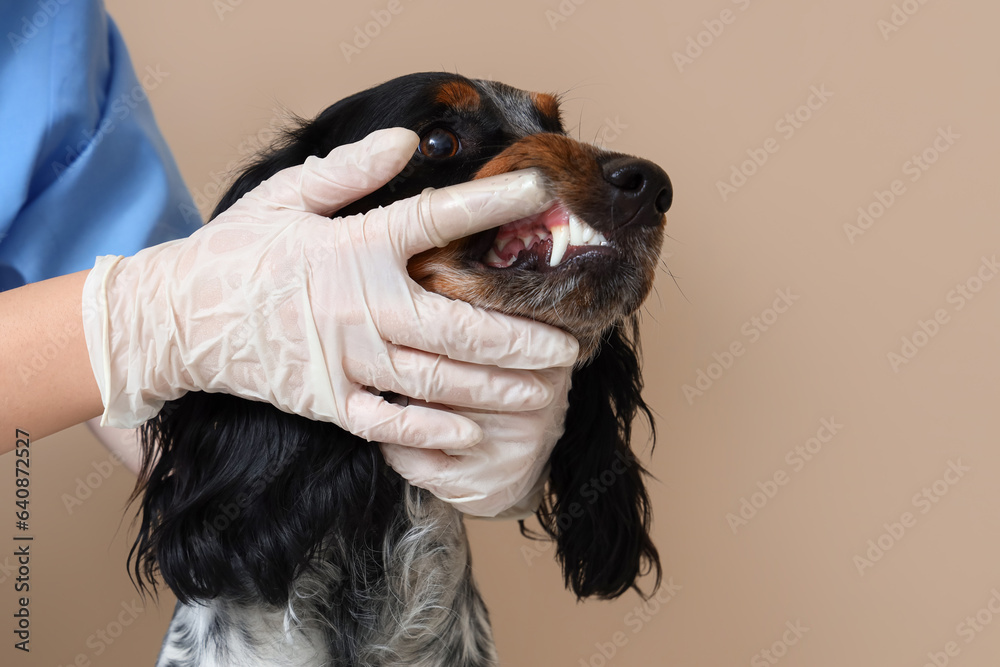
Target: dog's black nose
641,191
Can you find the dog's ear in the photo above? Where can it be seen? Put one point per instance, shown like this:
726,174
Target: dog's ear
237,496
596,507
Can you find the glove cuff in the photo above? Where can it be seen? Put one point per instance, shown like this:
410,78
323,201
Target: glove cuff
122,409
95,324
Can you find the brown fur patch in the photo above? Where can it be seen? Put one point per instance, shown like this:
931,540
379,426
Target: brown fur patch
569,167
547,105
458,95
558,156
438,270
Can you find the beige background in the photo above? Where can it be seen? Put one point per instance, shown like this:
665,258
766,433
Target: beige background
793,563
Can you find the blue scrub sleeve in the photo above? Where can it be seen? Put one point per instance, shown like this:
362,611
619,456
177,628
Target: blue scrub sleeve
84,170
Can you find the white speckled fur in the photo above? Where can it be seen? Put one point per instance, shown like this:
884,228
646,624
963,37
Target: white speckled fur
425,612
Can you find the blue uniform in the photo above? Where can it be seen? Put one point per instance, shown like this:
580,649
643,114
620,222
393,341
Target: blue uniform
84,170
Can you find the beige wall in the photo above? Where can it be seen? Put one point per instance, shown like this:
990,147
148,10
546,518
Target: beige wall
738,587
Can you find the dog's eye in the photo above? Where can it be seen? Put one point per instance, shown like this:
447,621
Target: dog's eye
439,143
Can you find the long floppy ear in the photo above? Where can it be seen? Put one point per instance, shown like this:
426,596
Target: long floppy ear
596,507
242,495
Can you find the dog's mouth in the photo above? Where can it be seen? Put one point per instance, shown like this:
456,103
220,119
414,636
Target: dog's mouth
545,241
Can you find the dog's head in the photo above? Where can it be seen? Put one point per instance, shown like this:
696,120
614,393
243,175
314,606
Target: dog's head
584,265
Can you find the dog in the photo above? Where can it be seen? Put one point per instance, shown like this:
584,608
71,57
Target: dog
292,542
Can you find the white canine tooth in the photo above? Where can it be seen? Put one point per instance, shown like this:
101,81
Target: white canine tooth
499,244
575,230
560,241
580,233
492,257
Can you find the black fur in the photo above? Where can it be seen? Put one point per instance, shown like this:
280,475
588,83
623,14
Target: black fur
597,509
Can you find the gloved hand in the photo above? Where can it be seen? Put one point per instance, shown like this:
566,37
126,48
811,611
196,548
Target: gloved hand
272,301
504,475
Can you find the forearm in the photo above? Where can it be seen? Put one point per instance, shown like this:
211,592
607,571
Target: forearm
47,383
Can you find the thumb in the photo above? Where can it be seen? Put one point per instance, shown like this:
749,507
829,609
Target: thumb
436,217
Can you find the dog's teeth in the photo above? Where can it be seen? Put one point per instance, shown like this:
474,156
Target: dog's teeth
493,259
576,230
560,241
528,233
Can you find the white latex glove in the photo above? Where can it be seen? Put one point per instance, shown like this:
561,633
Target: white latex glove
504,475
272,301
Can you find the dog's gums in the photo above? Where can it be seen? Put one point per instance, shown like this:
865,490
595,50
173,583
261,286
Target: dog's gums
552,236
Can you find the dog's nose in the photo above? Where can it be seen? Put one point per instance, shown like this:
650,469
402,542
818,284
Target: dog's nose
641,191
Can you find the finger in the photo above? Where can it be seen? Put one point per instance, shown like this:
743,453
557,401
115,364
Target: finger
429,469
349,172
448,478
374,419
462,332
438,379
437,217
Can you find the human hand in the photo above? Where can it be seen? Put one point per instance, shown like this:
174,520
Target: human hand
273,301
505,473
